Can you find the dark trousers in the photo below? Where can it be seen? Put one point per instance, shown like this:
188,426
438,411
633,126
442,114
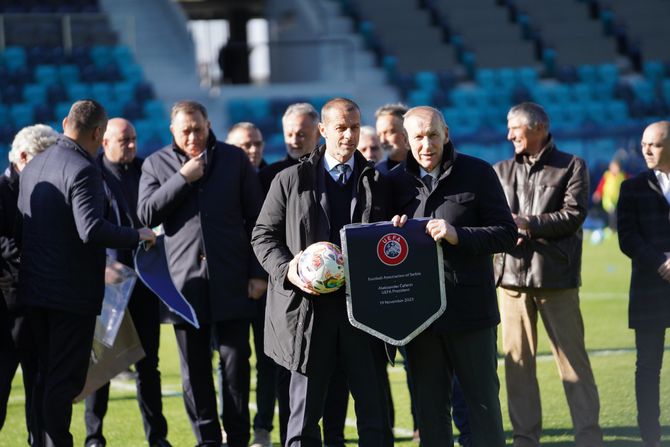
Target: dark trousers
143,308
232,338
459,411
195,363
649,344
434,358
335,407
17,347
334,340
64,349
266,375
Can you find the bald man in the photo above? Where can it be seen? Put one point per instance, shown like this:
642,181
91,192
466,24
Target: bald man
470,219
644,236
121,171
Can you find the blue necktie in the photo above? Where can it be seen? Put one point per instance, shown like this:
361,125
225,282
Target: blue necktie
342,171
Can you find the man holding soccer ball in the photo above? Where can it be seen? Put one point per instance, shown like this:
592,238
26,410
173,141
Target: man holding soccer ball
306,332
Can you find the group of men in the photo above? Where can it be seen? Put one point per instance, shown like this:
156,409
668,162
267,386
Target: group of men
234,228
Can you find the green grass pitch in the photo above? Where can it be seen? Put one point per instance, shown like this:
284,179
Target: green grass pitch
604,296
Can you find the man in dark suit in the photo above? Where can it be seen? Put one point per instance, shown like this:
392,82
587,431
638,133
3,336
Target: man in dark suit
206,194
306,333
248,137
19,347
392,136
300,125
61,201
471,220
121,172
301,135
644,236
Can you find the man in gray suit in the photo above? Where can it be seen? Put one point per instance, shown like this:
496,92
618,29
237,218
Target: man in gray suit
62,204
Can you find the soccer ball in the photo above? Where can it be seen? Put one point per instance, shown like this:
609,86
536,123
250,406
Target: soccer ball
321,265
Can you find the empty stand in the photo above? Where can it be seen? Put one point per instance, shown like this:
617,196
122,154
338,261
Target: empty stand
567,28
487,30
406,32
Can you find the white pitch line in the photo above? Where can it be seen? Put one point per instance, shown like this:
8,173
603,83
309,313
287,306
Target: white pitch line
123,385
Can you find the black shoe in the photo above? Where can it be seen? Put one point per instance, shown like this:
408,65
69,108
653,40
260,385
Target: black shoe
161,443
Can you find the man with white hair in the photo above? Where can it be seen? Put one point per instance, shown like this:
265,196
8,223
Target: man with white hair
19,345
471,221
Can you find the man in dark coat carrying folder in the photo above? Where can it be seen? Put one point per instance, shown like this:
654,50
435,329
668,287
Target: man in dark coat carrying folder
61,201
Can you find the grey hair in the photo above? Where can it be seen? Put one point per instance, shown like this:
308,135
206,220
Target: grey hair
32,140
302,108
530,113
246,125
397,109
368,131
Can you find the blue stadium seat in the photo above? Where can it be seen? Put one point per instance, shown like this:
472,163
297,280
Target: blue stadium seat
653,70
35,93
507,78
154,110
581,92
77,91
665,88
43,113
258,108
427,81
527,76
122,54
100,55
102,92
617,112
61,110
68,73
644,90
4,113
46,74
587,73
131,72
22,115
14,57
608,74
595,111
419,98
124,92
486,78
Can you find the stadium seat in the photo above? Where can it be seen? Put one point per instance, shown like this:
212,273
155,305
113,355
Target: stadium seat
22,115
35,93
46,74
68,73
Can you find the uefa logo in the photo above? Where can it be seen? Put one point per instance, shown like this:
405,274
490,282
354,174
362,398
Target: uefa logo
392,249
